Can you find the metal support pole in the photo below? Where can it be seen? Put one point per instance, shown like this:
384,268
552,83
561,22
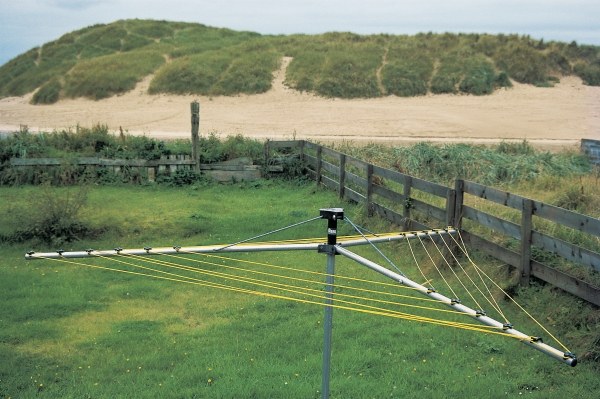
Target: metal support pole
332,215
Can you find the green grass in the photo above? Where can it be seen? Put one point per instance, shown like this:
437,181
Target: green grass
109,59
70,331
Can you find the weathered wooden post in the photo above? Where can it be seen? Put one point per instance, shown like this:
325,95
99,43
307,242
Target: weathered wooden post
459,188
342,186
370,210
526,232
450,207
195,108
319,164
406,214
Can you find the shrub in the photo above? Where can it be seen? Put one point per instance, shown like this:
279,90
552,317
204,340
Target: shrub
502,80
574,197
190,75
52,217
479,77
590,74
180,178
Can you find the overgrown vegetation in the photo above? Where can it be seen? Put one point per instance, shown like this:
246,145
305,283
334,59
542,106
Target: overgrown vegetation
99,142
104,60
499,165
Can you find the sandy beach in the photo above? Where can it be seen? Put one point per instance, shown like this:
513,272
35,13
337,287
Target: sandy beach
553,118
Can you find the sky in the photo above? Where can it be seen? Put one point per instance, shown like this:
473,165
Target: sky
25,24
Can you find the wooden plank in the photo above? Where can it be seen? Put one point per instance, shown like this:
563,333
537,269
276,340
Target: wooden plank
331,168
354,195
497,251
310,160
311,146
419,184
34,161
284,143
494,195
570,252
390,174
495,223
330,153
429,210
429,187
329,182
574,220
357,181
388,194
93,161
566,282
357,163
389,214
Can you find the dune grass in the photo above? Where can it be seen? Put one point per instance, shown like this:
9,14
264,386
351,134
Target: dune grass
108,59
70,331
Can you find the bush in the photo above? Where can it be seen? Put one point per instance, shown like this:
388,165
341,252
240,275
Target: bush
590,74
502,80
52,217
181,177
479,77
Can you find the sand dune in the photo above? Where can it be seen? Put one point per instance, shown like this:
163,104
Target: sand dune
554,117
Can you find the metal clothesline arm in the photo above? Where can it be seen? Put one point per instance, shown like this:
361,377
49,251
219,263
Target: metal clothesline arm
534,342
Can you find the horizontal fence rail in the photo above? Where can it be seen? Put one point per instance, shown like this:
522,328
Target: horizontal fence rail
419,204
238,169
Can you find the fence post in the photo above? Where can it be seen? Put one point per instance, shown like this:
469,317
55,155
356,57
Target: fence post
302,145
342,175
526,232
450,207
370,189
407,203
195,108
459,188
319,164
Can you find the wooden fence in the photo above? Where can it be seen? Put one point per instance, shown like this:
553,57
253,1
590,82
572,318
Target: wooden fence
416,203
236,169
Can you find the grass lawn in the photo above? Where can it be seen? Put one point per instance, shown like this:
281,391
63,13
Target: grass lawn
70,331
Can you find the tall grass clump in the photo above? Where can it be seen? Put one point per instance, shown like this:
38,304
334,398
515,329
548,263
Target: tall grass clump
49,93
408,68
342,65
105,76
246,69
505,163
523,63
